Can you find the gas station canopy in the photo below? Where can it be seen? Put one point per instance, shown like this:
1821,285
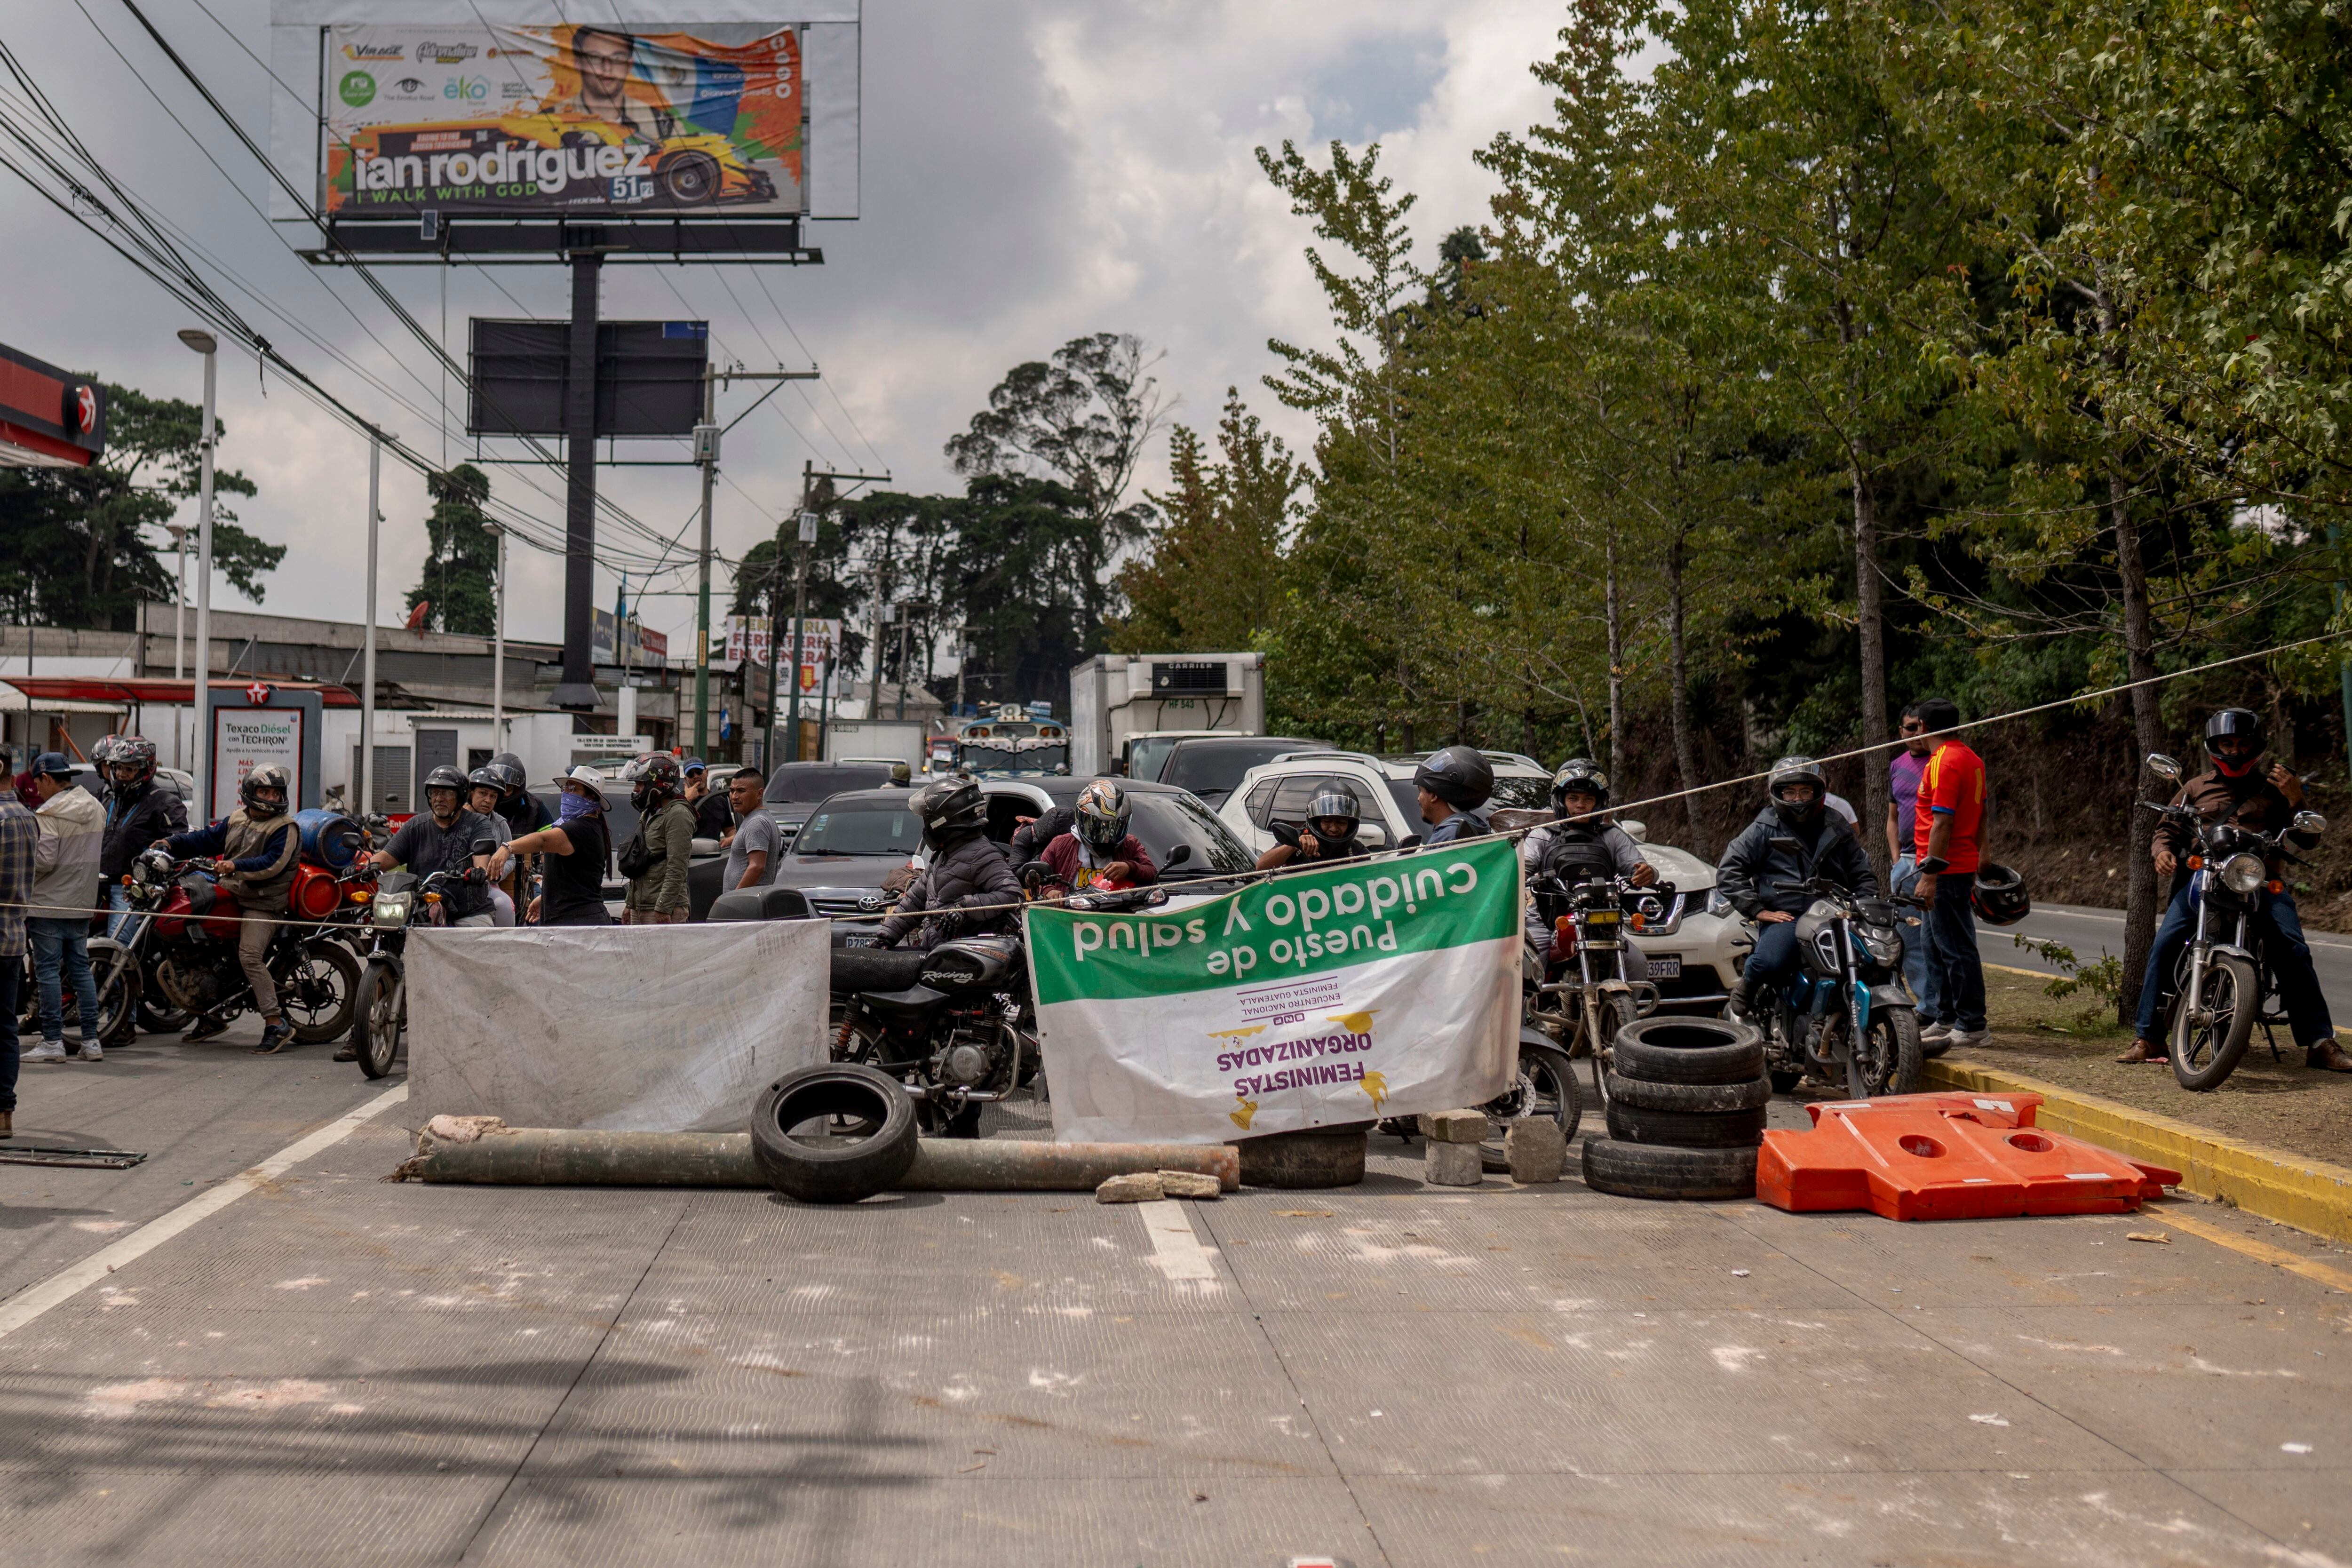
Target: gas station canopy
49,418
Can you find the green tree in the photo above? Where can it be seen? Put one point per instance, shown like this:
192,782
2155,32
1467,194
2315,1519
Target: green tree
75,550
459,581
1213,578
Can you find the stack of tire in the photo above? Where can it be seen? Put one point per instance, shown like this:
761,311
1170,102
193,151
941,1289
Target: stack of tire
1686,1111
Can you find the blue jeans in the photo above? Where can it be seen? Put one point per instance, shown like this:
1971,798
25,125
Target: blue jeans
117,899
2282,945
1956,972
12,973
63,943
1774,960
1916,972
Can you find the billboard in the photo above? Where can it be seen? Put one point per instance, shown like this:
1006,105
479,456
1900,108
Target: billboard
747,638
546,119
497,108
649,377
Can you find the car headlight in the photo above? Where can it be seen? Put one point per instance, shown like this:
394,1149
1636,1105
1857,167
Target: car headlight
2242,874
1718,903
390,910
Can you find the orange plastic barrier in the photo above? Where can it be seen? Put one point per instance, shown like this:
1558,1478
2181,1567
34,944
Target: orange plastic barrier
1946,1156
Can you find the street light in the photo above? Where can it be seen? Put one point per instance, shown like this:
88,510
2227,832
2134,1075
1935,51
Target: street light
179,532
204,343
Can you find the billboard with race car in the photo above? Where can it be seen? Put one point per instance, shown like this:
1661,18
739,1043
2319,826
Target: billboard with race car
650,119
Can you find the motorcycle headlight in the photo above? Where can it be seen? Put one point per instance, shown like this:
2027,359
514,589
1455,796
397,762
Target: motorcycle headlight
1883,946
390,910
2242,874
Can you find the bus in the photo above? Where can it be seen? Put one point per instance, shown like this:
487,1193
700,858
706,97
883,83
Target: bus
1013,741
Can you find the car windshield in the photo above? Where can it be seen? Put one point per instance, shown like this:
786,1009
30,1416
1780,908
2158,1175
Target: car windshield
806,785
870,829
1164,821
1146,757
1211,769
1520,792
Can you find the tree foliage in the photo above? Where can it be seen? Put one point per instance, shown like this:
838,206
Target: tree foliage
459,581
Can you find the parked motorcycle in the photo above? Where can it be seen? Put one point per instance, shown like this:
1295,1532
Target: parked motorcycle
185,937
400,900
1583,988
2223,982
1845,1013
956,1025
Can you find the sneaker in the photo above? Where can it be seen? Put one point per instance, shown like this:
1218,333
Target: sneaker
46,1051
1935,1033
206,1028
276,1036
350,1053
1965,1039
92,1051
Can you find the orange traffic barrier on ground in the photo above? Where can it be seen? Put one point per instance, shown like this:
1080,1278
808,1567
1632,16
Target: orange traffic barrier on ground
1946,1156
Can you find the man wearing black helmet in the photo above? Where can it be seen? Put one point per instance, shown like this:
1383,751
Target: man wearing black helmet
2238,789
137,814
255,849
1759,875
442,837
967,872
1327,837
1580,843
657,894
1451,785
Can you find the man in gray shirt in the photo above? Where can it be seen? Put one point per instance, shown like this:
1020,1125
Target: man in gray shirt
753,848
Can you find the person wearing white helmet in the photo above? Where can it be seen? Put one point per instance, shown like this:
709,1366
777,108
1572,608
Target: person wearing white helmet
577,847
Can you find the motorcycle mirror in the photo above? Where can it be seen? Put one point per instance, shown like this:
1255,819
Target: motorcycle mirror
2164,767
1787,846
1178,855
2310,824
1409,841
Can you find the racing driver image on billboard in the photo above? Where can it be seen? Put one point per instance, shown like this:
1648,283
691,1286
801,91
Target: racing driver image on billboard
569,116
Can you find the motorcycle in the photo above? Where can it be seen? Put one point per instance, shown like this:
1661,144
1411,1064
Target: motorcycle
955,1024
115,971
1581,990
1845,1013
183,938
2223,982
400,900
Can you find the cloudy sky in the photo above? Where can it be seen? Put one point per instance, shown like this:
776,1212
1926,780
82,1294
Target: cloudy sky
1034,170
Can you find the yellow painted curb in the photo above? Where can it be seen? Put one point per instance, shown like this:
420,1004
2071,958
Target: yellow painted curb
2310,1195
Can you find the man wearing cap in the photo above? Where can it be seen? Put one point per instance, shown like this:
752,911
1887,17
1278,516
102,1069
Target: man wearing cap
714,813
65,892
577,847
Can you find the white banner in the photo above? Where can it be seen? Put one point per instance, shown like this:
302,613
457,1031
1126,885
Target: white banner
636,1028
1376,989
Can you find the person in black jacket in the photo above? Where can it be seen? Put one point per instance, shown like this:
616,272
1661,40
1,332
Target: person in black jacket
1761,881
138,813
967,872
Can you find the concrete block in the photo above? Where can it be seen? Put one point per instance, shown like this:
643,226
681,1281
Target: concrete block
1453,1126
1454,1166
1536,1150
1188,1185
1140,1187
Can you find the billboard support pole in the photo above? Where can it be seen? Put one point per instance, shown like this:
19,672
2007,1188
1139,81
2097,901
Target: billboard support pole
706,451
577,690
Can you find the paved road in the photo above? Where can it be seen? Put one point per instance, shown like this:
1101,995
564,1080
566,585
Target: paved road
332,1369
2093,934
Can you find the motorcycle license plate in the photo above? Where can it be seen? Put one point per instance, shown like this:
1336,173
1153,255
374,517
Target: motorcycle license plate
861,942
1602,918
1666,966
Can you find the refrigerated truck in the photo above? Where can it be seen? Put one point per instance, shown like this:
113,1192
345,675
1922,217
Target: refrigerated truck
1116,696
876,740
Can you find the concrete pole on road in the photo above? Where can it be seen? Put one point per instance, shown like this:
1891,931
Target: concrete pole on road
204,343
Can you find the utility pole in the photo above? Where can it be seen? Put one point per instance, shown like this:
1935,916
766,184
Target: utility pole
705,454
204,343
810,474
367,668
499,651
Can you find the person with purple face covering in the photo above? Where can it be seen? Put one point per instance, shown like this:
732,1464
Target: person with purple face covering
578,847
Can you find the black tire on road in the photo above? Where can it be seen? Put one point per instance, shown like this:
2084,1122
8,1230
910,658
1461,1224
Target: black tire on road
1318,1157
1785,1080
1654,1171
1691,1099
318,989
2204,1056
1689,1050
379,1013
1893,1045
1546,1087
118,1005
1686,1128
826,1169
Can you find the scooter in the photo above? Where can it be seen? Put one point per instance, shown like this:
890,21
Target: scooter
400,901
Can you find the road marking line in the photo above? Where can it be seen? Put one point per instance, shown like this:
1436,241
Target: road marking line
1176,1249
68,1283
2262,1251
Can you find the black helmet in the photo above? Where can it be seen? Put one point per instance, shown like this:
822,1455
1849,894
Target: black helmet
1790,770
1103,813
1336,802
953,810
1457,775
653,777
2000,897
268,775
2234,724
488,777
510,772
1580,775
138,752
445,777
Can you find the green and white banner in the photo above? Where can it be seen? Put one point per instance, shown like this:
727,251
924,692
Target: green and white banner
1377,988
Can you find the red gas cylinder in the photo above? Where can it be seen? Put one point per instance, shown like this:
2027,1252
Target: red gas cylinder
315,894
